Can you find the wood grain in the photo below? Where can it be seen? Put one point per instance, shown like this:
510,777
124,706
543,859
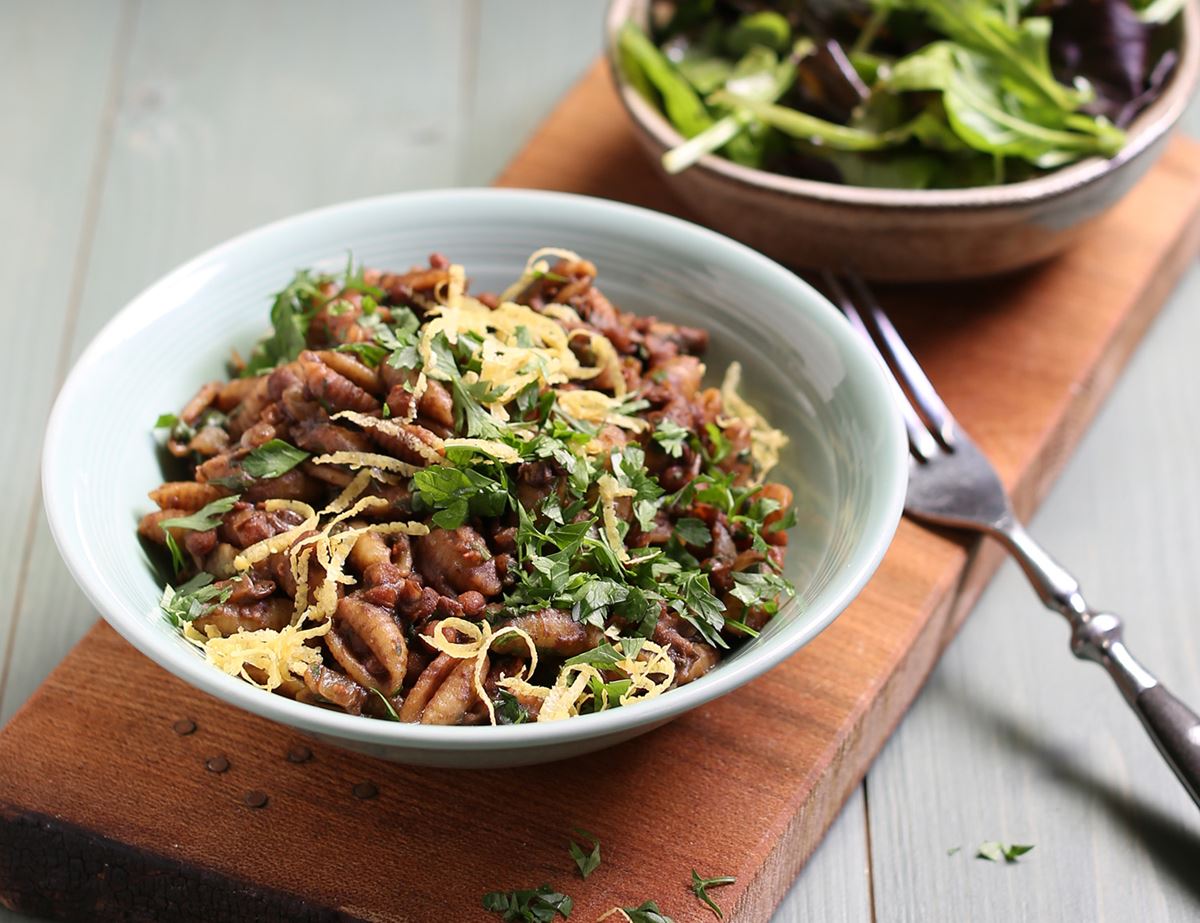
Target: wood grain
769,792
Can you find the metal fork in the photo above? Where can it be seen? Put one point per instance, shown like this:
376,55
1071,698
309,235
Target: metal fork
951,483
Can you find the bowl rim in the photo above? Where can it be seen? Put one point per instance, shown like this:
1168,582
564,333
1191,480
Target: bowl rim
161,298
1149,126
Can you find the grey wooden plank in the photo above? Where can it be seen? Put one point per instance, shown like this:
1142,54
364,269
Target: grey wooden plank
230,115
1014,740
528,53
835,884
49,167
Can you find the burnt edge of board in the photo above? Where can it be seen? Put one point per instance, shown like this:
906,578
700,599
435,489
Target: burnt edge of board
58,870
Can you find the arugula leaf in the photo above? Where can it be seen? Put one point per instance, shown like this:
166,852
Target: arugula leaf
586,862
700,888
205,518
532,906
272,459
672,437
647,912
682,106
192,599
1018,49
984,112
766,29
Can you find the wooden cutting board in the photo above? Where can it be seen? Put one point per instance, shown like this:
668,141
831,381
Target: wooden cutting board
107,812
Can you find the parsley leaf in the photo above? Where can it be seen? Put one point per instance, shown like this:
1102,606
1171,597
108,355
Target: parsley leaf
530,906
586,862
166,421
647,912
391,710
272,459
697,604
369,354
672,437
693,532
509,709
291,313
604,656
459,493
190,600
205,518
761,590
700,888
993,851
720,445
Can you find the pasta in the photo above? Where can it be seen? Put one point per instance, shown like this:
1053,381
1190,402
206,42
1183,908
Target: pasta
417,504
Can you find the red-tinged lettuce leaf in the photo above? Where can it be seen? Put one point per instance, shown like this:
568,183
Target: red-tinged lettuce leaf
1108,44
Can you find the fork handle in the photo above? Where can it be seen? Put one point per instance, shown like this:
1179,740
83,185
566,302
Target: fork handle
1098,636
1175,730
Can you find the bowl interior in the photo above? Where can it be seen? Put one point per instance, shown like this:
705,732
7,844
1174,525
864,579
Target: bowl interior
802,368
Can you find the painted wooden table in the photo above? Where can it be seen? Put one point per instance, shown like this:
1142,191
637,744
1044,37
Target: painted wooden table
136,135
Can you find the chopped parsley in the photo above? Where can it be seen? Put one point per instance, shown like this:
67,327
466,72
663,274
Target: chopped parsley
291,313
760,590
455,494
571,552
509,709
190,600
539,905
700,888
586,861
272,459
993,851
672,437
693,531
387,704
205,518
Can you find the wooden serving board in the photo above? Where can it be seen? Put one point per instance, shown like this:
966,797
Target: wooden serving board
107,812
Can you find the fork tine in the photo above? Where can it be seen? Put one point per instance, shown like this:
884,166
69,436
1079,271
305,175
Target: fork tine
920,441
908,371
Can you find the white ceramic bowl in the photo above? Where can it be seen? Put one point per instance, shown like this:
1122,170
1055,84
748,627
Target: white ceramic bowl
803,365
